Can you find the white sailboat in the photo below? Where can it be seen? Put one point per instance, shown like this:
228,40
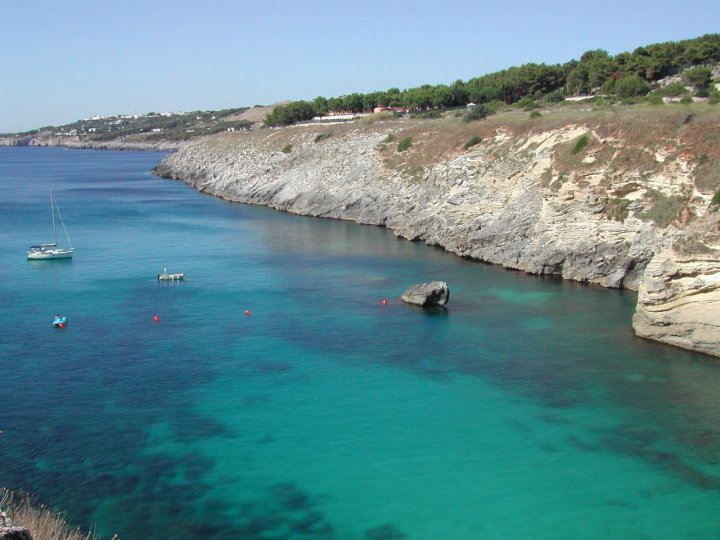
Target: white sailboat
52,251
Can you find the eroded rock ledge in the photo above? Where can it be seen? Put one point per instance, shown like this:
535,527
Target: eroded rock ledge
679,298
525,201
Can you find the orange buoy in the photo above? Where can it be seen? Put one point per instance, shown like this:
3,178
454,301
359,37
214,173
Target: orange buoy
156,318
247,312
384,302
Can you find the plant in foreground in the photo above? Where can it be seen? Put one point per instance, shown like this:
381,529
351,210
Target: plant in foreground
404,144
472,141
40,521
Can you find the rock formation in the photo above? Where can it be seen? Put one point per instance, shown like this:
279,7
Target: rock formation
588,201
15,533
435,293
679,298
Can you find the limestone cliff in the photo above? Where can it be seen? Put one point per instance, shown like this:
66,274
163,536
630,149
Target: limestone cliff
679,300
596,198
69,141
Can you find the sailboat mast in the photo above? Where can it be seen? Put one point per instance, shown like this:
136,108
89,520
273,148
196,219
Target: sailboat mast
63,225
52,212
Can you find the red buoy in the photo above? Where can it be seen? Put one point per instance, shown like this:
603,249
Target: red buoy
247,312
156,318
384,302
61,325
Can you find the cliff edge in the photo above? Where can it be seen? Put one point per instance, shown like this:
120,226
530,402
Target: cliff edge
595,196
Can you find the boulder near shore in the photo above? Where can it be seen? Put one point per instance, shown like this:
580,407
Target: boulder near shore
435,293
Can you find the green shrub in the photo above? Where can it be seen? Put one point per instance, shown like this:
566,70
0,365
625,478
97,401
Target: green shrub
714,95
472,141
323,136
698,76
665,209
716,198
390,138
430,115
631,85
580,144
608,87
287,148
686,100
527,103
675,89
654,99
404,144
535,114
478,112
555,97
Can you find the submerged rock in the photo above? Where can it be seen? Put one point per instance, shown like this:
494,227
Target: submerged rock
435,293
385,532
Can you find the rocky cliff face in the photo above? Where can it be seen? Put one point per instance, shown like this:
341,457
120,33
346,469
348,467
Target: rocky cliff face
679,300
580,200
67,141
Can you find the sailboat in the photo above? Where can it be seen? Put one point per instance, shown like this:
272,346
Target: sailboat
52,251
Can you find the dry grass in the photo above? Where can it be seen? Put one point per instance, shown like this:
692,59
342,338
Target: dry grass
375,117
43,523
691,132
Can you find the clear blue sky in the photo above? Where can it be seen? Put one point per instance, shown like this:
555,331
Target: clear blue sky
61,61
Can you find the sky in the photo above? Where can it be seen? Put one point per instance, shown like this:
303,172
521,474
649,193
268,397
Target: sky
64,60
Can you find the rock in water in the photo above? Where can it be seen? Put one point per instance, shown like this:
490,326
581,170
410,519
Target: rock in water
435,293
15,533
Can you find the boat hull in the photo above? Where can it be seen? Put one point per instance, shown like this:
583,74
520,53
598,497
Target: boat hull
51,254
171,277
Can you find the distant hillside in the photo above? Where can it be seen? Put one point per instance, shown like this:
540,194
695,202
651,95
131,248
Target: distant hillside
148,130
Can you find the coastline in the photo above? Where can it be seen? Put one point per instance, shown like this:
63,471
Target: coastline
507,201
503,202
75,143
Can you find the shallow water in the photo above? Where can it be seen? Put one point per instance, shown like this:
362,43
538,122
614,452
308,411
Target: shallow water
527,409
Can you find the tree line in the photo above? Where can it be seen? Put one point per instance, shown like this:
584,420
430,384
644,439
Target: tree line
626,74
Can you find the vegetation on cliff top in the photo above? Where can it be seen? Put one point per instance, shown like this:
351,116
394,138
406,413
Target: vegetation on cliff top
626,75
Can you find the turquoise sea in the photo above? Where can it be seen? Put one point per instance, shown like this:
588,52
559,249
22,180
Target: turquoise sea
527,409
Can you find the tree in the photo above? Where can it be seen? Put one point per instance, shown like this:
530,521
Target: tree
284,115
459,93
321,105
578,80
354,102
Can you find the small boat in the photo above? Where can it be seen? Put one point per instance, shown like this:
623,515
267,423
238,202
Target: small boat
60,321
52,251
170,277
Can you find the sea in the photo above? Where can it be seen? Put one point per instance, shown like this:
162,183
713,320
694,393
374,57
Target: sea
277,396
